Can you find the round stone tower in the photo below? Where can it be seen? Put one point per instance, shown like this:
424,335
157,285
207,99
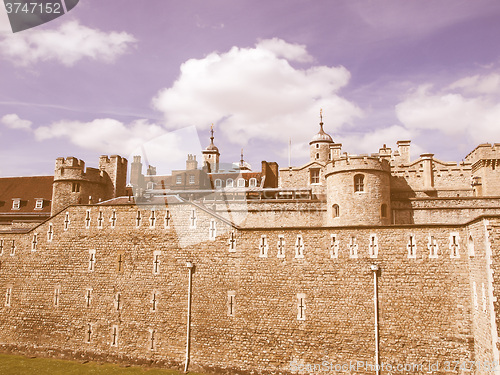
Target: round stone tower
73,184
320,145
358,191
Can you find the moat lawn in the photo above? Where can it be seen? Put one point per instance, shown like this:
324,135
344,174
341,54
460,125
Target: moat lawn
18,365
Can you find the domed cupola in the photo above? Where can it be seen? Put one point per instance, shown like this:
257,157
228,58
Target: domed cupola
320,144
211,153
321,136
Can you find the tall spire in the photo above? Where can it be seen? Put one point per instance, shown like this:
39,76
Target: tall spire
242,161
211,146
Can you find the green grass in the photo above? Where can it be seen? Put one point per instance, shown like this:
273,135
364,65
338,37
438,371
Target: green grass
18,365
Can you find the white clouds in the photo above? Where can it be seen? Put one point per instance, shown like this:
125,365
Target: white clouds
254,93
68,44
290,52
103,135
472,118
13,121
478,84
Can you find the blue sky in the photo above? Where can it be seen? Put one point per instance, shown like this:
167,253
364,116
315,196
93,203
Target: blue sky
125,77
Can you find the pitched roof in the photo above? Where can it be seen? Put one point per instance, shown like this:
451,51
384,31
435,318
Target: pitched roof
28,190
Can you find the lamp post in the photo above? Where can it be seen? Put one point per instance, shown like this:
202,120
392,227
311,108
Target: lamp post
190,267
375,269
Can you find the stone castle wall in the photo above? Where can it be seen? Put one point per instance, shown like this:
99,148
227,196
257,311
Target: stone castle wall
426,303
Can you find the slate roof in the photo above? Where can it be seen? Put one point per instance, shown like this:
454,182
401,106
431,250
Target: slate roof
28,190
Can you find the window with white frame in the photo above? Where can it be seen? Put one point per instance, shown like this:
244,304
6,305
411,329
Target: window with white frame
353,247
8,296
301,306
373,246
88,297
231,302
87,219
156,262
218,183
263,248
193,219
92,260
470,246
57,295
118,302
38,204
66,221
152,219
191,179
13,248
50,233
359,183
152,339
454,245
16,204
433,247
154,301
120,261
411,246
113,219
252,182
100,220
334,246
88,333
232,241
178,179
229,182
138,219
241,182
114,335
314,175
212,230
281,246
150,185
34,242
167,219
299,246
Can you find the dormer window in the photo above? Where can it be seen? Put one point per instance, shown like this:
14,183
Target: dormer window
252,182
229,182
16,204
38,204
218,183
241,182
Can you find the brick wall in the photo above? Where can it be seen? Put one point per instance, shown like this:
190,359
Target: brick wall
426,304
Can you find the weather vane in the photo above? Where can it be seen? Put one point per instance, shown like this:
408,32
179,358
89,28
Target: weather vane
321,114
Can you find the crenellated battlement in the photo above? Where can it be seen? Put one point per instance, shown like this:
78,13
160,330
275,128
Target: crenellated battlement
357,162
484,151
69,162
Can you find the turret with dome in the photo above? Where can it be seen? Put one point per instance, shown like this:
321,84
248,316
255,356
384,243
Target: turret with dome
320,144
211,154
